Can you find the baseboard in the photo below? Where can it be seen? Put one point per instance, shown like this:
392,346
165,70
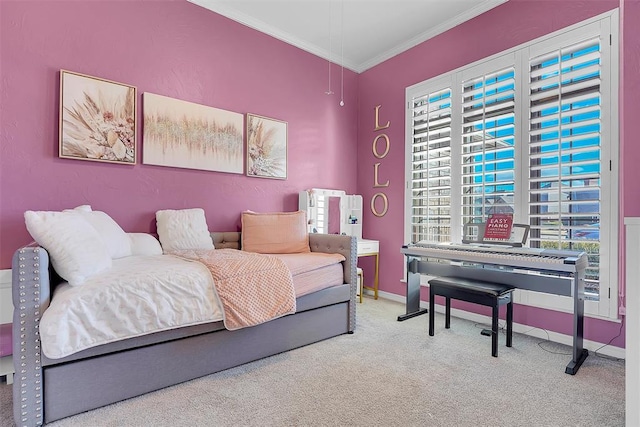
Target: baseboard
608,350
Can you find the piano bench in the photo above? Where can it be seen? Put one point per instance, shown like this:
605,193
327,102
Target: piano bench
475,291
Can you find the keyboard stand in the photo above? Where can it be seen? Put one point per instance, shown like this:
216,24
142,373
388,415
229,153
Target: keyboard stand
569,281
413,292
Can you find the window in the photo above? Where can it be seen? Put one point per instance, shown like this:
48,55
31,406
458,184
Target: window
488,145
431,167
532,132
565,112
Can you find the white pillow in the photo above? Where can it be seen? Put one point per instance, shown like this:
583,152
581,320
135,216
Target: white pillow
183,229
117,242
82,208
144,244
76,250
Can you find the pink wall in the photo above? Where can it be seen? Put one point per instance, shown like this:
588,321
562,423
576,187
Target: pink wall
504,27
172,48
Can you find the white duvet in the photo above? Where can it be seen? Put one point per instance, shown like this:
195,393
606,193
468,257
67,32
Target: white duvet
137,296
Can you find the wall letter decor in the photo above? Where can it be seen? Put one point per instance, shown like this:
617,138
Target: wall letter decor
376,167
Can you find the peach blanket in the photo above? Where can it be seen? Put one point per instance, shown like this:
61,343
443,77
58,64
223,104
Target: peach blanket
252,288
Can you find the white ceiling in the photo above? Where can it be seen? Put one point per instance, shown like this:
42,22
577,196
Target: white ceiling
355,33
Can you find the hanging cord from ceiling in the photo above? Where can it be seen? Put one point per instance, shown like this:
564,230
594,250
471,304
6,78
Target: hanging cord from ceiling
329,91
342,53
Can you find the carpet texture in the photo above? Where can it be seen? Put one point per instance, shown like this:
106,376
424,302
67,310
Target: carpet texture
388,373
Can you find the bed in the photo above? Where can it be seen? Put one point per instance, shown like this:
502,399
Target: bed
47,389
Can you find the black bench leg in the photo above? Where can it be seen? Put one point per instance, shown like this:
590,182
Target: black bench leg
509,322
494,329
447,313
432,310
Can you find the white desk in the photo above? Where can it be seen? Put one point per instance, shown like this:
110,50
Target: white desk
6,316
370,248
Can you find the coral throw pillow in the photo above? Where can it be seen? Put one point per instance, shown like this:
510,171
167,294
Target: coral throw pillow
275,233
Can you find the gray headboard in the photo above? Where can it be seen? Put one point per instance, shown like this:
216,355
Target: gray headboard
226,240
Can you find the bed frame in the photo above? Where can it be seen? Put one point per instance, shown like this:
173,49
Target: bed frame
46,390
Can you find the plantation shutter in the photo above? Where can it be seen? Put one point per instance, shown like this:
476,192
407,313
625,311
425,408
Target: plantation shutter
531,131
431,167
488,145
565,150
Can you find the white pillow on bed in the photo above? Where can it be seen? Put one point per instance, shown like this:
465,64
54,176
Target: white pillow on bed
82,208
183,229
144,244
76,249
117,241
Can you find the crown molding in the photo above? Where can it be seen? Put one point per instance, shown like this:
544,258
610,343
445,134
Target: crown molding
222,8
430,33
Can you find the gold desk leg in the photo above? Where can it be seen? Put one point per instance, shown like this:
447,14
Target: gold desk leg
375,279
376,275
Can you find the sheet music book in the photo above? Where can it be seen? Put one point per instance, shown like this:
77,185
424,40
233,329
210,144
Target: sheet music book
474,233
498,227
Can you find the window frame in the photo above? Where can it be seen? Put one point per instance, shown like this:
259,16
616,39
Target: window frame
607,25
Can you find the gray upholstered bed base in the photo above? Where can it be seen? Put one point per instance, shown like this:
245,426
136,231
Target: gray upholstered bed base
46,390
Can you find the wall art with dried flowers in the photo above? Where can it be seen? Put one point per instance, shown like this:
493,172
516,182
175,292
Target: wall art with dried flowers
97,119
266,147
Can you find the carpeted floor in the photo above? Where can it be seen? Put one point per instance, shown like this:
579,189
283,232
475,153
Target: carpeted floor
388,373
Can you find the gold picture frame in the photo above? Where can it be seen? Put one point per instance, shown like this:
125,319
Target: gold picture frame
97,119
266,147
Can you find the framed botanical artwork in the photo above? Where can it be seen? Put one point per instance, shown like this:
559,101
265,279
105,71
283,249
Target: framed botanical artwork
183,134
266,147
97,119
